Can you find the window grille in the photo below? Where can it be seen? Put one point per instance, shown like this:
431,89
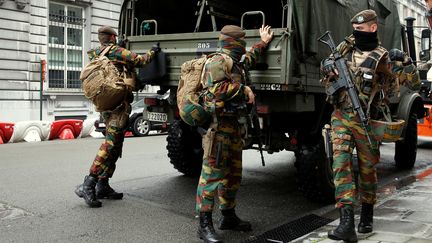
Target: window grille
65,43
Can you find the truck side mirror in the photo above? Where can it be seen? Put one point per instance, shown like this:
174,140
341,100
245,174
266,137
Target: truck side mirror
425,45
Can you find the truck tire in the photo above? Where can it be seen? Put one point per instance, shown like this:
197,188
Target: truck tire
314,174
406,150
184,148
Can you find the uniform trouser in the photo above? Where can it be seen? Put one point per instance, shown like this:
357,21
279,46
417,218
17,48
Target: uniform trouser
222,166
347,134
116,121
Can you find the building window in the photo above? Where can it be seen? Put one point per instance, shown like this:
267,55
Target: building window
65,42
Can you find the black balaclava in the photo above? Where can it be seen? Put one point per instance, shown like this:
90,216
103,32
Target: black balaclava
365,41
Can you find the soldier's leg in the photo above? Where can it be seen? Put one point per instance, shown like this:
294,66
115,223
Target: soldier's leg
103,165
368,157
229,187
227,190
343,177
342,161
96,183
213,170
212,174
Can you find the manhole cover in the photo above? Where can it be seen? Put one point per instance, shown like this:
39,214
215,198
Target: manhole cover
11,212
292,230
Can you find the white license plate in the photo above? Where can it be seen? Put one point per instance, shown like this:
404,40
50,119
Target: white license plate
155,116
101,124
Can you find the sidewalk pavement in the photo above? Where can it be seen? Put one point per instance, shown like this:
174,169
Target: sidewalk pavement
401,215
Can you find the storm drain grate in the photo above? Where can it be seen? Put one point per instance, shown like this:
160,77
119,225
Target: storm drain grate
292,230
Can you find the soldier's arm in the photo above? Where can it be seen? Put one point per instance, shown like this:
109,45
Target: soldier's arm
257,49
219,81
253,55
411,77
227,90
328,68
133,59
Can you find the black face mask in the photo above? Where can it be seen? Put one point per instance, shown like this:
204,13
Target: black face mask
365,41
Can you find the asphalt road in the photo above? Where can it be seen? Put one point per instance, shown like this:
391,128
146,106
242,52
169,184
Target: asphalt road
37,202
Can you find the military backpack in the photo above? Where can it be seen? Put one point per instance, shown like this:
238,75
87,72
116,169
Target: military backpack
102,83
191,90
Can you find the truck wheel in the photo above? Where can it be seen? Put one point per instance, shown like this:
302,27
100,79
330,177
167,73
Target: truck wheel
406,150
141,127
315,174
184,148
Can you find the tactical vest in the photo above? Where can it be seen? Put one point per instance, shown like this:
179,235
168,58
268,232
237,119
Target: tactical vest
369,83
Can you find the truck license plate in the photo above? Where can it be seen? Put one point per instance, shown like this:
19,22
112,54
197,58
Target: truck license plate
155,116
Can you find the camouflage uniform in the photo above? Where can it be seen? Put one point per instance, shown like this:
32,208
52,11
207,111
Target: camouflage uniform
407,75
222,162
347,130
116,120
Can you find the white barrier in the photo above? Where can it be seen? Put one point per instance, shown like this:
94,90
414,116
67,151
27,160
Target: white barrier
36,131
88,127
30,131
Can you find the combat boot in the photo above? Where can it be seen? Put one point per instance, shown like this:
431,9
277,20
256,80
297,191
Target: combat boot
88,192
230,221
346,230
366,218
103,190
206,231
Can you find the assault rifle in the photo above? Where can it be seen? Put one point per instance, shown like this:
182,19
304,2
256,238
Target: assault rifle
344,80
254,113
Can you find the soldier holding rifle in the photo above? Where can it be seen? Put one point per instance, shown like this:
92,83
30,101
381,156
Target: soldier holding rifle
357,78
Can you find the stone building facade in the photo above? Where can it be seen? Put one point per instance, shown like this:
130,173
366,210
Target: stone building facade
417,10
53,36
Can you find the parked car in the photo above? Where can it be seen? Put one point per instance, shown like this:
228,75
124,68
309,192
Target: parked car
137,124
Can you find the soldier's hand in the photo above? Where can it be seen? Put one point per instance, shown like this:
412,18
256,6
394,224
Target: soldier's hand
156,48
328,67
396,55
123,42
266,33
249,93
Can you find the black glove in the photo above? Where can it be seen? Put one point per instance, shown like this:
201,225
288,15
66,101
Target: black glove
398,55
123,43
156,48
327,66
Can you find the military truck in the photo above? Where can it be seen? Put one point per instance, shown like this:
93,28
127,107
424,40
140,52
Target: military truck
290,99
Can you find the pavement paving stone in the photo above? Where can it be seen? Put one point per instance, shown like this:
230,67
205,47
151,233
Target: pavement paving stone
389,213
419,240
403,216
389,237
422,216
406,227
408,203
423,188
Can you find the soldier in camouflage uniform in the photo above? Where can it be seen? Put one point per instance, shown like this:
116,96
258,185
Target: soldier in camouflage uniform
226,98
368,61
96,185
